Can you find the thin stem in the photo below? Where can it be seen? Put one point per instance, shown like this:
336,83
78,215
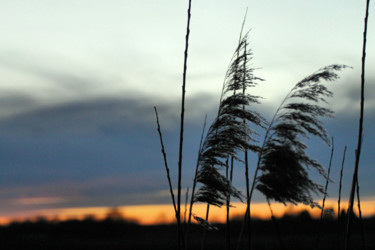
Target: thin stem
179,234
359,145
165,162
325,196
339,200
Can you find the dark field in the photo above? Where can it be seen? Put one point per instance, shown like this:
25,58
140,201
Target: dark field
298,232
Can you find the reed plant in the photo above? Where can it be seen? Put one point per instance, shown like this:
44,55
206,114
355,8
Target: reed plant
281,172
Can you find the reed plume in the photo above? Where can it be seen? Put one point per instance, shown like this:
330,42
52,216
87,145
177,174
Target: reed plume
228,135
283,159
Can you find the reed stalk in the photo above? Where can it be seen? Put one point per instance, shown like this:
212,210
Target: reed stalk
180,233
360,131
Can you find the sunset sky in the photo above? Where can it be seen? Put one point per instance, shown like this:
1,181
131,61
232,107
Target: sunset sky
79,79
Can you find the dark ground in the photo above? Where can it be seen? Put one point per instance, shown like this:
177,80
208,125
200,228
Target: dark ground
297,232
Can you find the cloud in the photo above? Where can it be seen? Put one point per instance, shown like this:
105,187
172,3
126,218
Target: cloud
89,116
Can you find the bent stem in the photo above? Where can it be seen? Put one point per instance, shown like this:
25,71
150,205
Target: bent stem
325,195
339,200
165,161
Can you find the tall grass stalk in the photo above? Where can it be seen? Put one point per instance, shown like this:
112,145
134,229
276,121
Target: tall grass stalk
165,162
340,185
180,234
325,194
360,131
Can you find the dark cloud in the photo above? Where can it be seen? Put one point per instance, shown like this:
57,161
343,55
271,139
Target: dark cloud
13,102
13,99
89,116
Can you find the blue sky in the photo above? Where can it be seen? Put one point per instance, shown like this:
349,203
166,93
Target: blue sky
79,80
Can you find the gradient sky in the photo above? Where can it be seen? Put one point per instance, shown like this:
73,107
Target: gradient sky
79,79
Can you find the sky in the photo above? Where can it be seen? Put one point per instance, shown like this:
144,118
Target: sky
79,80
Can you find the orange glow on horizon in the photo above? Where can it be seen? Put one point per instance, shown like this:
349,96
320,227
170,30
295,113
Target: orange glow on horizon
164,214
